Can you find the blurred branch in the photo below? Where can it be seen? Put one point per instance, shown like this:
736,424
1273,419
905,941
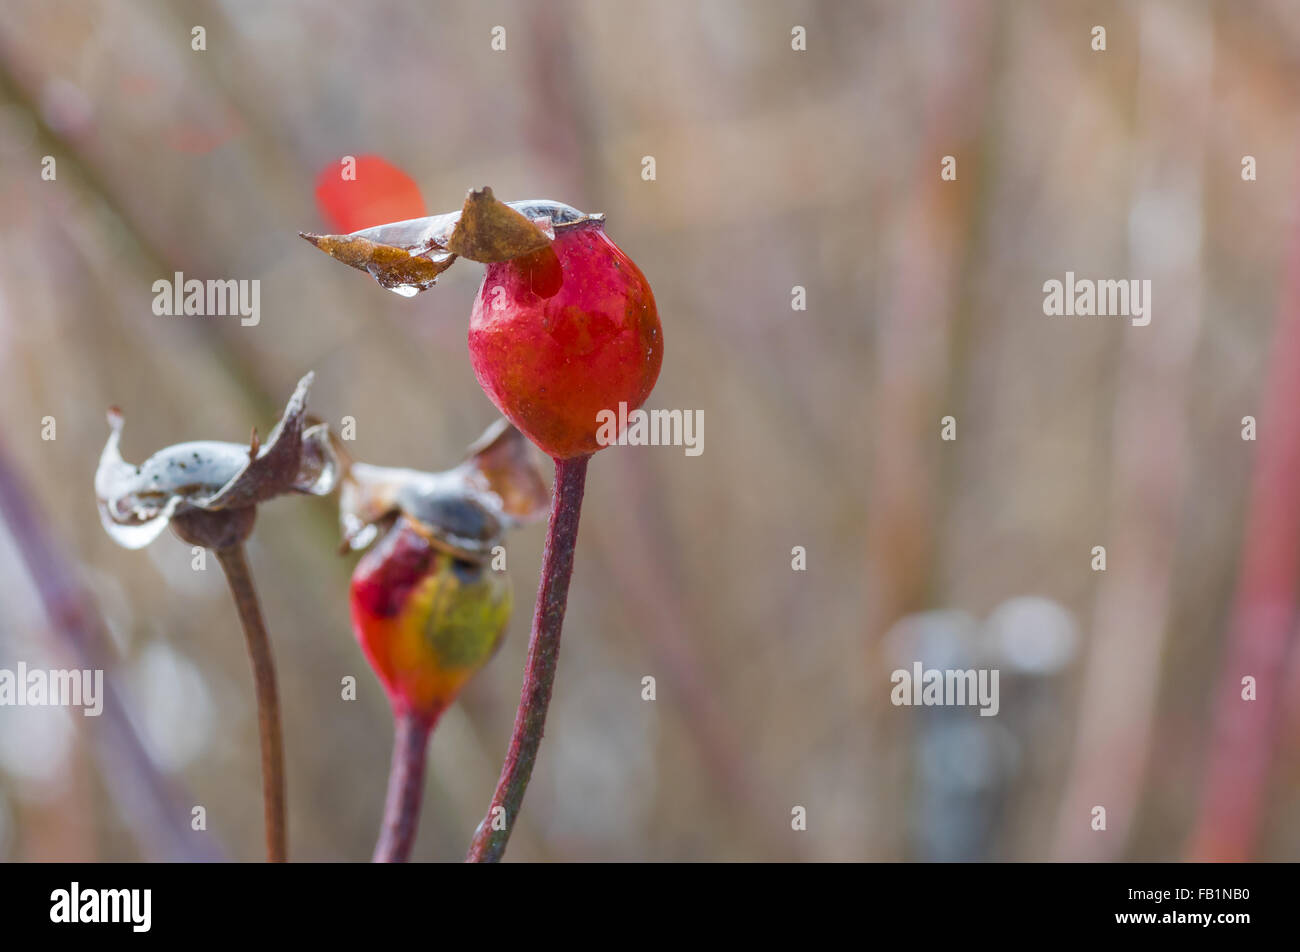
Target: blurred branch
916,332
641,563
160,256
1148,486
144,798
1262,624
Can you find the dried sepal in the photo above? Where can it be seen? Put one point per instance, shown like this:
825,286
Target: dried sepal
408,256
137,502
465,510
370,495
490,230
503,462
394,268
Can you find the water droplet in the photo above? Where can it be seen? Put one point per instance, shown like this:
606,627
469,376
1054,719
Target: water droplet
405,290
319,468
136,535
361,538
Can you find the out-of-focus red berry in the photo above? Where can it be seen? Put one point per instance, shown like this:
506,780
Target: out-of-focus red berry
381,192
426,619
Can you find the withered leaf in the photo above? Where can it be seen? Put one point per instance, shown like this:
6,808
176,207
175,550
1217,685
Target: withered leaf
391,266
502,461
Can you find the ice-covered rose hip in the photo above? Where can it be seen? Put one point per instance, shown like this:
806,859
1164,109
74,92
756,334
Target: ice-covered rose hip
564,326
562,333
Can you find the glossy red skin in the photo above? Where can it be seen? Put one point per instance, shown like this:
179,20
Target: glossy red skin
578,333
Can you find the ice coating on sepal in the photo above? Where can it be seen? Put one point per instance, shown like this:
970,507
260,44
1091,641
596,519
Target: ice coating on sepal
465,510
407,256
137,502
558,214
370,494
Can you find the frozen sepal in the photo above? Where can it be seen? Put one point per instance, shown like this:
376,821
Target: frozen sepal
393,267
465,510
408,256
137,502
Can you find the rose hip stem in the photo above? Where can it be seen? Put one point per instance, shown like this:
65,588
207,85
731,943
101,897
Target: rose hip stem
405,788
489,843
235,566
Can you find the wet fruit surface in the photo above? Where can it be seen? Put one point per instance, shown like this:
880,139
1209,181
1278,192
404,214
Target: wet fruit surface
561,334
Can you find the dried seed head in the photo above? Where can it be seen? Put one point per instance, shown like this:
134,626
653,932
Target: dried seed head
465,510
137,502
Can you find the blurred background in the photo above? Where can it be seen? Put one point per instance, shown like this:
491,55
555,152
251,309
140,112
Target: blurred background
775,168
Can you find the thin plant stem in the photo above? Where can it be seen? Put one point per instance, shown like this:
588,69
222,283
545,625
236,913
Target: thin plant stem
235,565
405,788
489,843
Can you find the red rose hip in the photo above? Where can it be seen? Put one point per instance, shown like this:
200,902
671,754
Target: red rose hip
558,335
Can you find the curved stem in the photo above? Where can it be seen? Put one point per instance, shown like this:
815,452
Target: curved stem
489,843
268,702
405,788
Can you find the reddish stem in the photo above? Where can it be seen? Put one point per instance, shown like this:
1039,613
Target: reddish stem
1261,628
489,843
405,787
